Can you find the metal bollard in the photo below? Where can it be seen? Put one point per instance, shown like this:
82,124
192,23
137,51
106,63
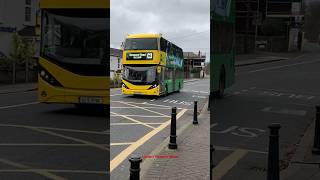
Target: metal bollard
135,161
195,113
316,144
273,154
210,102
173,135
211,161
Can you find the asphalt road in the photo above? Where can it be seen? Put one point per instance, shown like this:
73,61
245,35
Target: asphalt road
284,92
42,141
140,123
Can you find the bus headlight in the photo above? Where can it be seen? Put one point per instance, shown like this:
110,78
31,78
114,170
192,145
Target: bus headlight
45,75
153,86
125,86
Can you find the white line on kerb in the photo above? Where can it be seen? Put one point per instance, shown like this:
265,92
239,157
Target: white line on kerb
18,105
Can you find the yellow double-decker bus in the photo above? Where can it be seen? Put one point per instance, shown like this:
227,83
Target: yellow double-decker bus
73,63
151,65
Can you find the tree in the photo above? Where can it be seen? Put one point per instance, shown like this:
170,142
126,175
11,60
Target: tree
23,52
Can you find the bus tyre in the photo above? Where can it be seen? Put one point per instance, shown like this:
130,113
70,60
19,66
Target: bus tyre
166,91
222,84
179,87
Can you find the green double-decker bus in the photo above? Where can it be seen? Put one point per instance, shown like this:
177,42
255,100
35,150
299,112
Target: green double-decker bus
152,65
222,50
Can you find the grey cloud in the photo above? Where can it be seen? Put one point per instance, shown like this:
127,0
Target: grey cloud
172,18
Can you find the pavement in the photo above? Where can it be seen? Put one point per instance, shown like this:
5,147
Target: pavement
304,164
284,92
190,158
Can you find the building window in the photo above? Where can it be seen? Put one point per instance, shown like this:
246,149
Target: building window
27,14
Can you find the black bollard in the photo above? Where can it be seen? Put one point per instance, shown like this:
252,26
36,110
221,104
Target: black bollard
195,113
173,135
316,144
273,154
209,103
211,161
135,161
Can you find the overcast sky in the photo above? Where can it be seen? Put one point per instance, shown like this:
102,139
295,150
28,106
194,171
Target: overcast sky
186,23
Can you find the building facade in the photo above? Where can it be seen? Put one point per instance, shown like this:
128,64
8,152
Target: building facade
271,25
17,16
115,62
194,64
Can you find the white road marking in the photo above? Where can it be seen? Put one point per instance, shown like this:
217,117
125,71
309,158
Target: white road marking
178,102
279,67
133,120
69,138
49,144
115,162
121,144
37,171
191,83
194,91
55,129
4,92
239,131
115,94
52,170
144,103
129,115
289,95
117,107
121,124
223,148
155,112
18,105
200,97
285,111
289,92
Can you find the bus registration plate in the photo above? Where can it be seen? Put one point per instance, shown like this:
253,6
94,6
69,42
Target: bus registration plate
90,100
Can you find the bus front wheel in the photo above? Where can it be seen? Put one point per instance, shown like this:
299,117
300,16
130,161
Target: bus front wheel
166,91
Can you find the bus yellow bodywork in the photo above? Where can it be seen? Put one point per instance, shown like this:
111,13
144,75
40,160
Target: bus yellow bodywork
64,81
158,64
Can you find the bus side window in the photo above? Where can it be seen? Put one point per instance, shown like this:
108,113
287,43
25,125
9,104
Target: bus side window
163,44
